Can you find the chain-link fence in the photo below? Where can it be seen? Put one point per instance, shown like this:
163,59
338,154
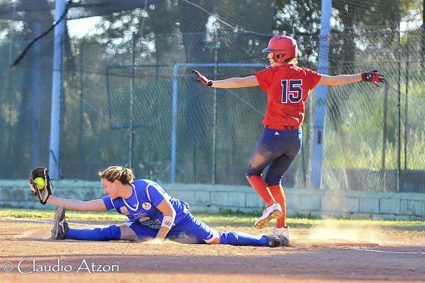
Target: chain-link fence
117,106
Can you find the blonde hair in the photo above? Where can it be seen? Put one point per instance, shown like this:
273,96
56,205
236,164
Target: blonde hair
124,175
293,61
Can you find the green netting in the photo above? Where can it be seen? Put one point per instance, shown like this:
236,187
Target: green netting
216,129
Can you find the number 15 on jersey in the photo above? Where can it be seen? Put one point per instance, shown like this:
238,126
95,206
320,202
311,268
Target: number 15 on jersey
291,91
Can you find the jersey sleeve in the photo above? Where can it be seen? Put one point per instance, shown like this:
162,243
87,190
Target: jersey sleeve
314,77
156,194
108,202
263,78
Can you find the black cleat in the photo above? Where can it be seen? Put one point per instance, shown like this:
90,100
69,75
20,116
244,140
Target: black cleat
277,241
60,226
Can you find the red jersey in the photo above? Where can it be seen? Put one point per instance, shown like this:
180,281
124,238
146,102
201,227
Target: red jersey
288,88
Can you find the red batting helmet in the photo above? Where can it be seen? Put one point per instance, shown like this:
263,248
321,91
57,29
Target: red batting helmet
283,48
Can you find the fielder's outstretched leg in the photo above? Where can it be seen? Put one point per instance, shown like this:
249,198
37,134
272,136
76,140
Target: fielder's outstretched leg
61,231
244,239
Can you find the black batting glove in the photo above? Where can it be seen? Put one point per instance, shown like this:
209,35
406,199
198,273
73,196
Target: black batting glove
202,79
373,77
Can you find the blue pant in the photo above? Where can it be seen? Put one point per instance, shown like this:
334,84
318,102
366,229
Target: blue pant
277,148
190,229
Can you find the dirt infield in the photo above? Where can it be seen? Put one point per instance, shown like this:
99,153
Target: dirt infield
27,255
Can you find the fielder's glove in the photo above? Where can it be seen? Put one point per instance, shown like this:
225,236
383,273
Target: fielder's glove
202,79
373,77
41,193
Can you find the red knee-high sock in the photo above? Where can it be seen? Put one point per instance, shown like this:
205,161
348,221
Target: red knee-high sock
261,188
279,195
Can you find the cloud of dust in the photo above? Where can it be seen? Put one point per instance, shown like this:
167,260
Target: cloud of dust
330,231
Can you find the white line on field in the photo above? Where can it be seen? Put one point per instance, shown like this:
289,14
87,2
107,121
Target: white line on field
43,221
403,243
389,252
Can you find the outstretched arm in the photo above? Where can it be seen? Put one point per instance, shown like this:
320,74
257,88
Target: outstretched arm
228,83
373,77
340,79
74,204
236,82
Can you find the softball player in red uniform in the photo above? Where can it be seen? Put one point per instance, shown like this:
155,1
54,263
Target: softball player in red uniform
288,87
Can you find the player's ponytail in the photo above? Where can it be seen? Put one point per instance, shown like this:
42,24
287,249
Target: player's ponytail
123,174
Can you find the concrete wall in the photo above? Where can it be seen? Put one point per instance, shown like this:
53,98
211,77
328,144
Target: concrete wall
214,198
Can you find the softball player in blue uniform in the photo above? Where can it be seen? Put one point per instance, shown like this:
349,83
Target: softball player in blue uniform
152,214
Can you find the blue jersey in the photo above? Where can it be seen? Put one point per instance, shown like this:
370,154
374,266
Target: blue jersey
145,218
142,205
